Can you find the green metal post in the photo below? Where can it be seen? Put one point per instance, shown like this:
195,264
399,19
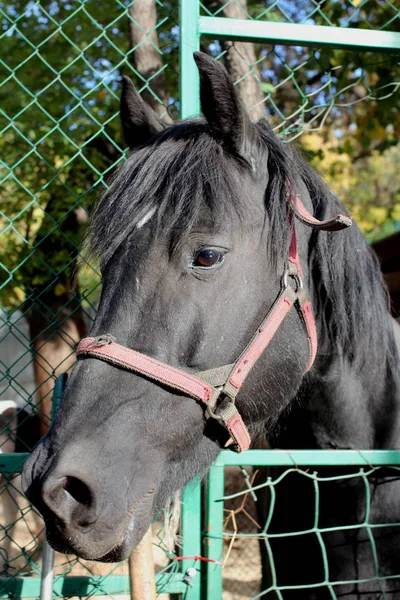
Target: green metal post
191,535
213,536
58,393
189,43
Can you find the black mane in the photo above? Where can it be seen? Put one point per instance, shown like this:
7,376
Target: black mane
184,168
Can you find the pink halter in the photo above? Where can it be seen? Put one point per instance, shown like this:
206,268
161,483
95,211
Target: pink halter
217,388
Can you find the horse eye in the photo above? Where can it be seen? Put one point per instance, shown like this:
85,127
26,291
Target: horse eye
208,257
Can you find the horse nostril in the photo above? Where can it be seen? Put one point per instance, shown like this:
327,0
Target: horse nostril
70,499
78,490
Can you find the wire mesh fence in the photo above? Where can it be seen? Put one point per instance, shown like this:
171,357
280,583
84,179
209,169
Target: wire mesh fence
60,73
376,15
242,570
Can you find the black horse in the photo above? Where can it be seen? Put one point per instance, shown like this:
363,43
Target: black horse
193,237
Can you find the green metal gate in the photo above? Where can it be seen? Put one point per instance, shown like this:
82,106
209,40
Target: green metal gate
269,23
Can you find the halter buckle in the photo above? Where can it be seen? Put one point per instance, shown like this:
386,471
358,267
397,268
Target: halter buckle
230,420
294,273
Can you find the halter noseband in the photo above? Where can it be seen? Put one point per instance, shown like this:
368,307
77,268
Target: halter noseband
217,388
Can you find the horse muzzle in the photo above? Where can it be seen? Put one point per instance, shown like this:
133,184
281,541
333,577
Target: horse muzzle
92,518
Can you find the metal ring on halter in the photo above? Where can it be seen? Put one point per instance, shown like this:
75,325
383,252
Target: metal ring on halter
297,277
210,408
212,414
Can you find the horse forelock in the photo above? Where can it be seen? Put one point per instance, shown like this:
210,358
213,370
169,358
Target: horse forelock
170,182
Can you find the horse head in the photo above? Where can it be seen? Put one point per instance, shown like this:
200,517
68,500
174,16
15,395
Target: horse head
193,237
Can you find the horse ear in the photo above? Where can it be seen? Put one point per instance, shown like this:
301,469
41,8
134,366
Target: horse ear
222,108
139,121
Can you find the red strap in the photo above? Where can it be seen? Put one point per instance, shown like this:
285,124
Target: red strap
306,308
334,224
239,432
131,360
293,251
260,342
134,361
311,331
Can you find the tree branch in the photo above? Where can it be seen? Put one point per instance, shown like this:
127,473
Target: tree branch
146,58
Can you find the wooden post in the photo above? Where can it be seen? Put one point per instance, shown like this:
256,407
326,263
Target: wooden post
141,570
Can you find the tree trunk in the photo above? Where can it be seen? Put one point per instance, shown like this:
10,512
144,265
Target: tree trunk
241,63
146,57
53,306
53,345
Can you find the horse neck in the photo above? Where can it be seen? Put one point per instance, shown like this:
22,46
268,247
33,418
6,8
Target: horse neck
342,406
351,397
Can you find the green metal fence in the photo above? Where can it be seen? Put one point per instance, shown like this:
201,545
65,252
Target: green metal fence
313,65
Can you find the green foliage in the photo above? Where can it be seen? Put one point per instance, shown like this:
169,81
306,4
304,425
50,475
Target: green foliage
369,186
60,132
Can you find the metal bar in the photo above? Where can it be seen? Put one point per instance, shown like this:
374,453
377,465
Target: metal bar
189,43
191,536
82,586
297,34
215,543
47,574
294,458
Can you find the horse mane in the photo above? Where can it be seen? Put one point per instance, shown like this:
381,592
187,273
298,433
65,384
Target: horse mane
184,168
350,296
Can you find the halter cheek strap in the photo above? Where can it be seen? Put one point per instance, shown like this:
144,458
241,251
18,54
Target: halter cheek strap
335,224
217,388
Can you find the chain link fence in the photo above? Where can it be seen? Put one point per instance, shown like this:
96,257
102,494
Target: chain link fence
60,73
